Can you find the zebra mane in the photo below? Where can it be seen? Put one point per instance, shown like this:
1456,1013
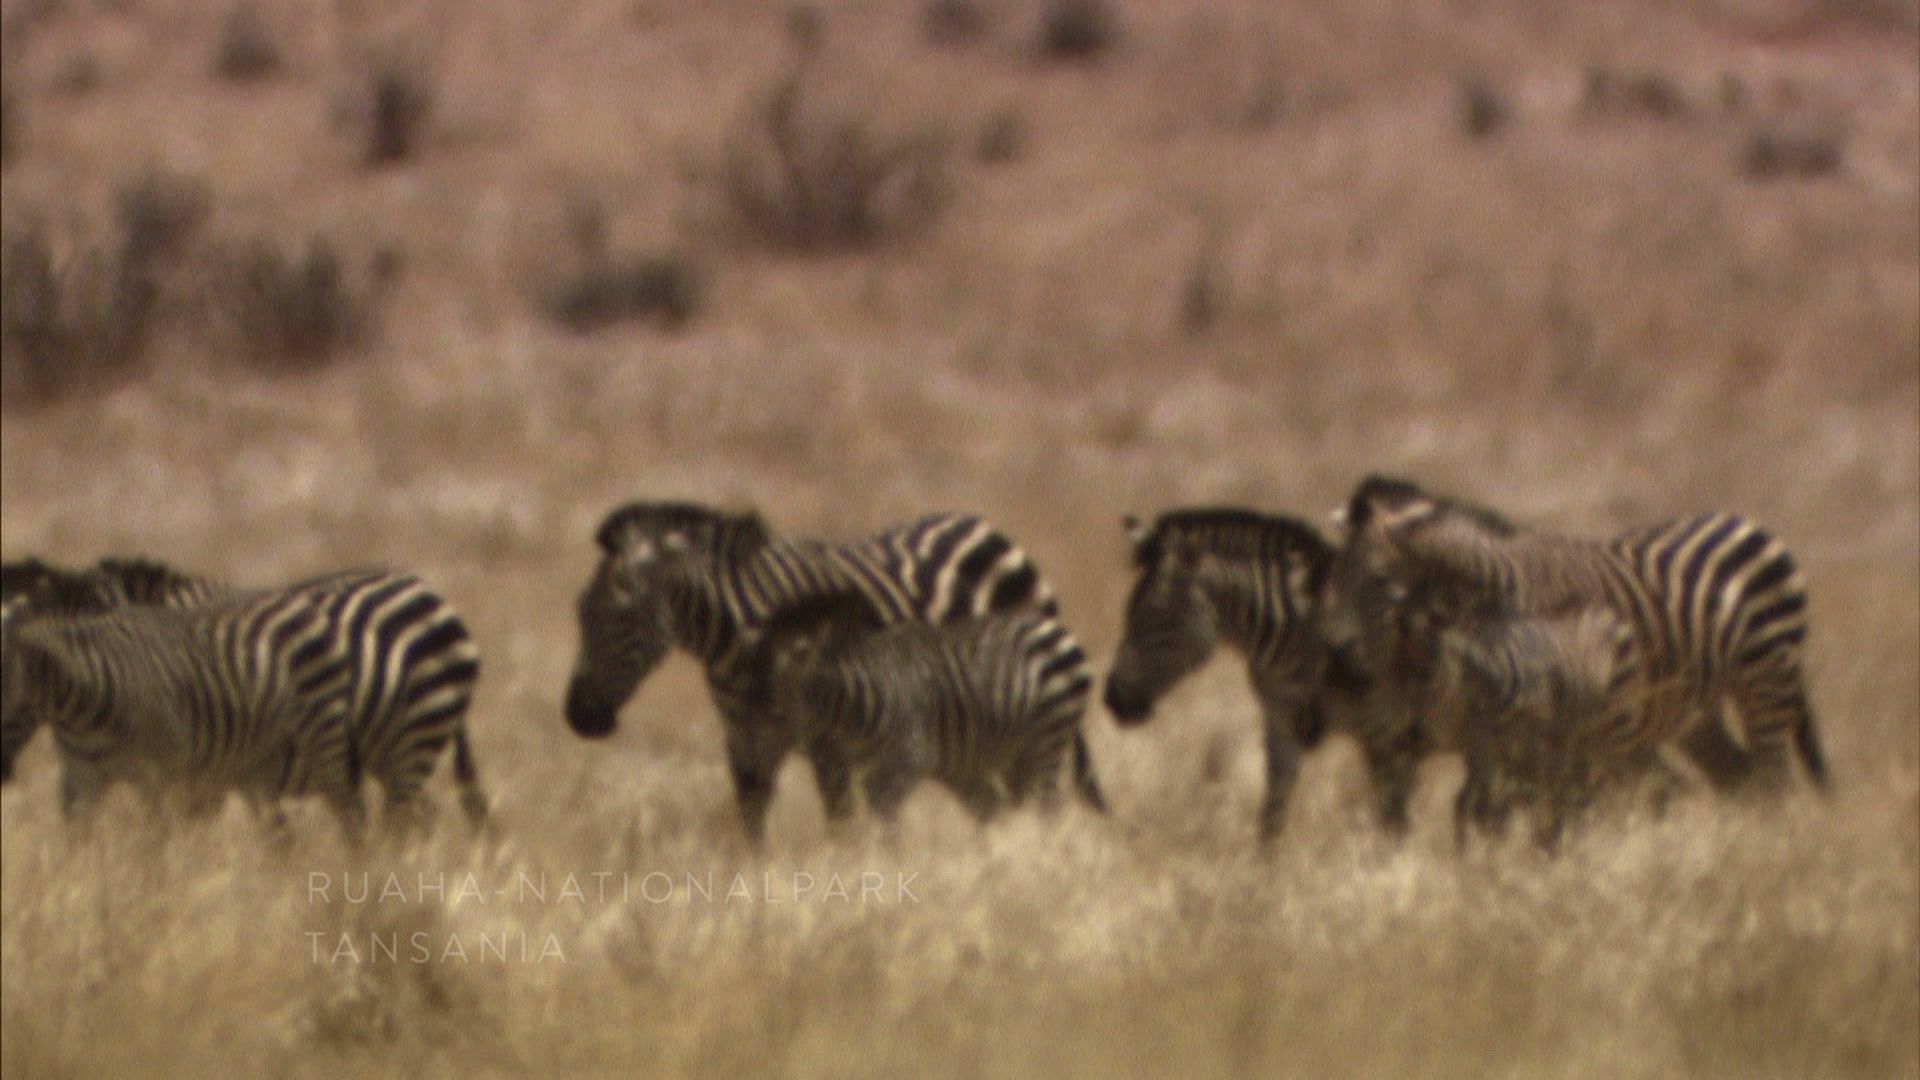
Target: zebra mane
1233,532
140,580
725,533
49,590
22,576
1393,492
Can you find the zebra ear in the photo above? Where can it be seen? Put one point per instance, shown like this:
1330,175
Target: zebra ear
640,553
1140,539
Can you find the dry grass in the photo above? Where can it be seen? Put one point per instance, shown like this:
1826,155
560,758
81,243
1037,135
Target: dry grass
1593,324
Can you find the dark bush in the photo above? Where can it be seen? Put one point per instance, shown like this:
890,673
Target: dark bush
1077,29
811,179
247,50
10,118
1791,154
1002,139
399,101
63,327
91,318
1483,109
293,312
950,23
666,288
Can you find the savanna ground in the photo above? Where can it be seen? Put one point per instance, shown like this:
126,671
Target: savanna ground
1597,264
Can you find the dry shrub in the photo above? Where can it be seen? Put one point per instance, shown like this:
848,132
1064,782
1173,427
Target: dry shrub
398,105
89,319
665,287
1647,93
1772,155
294,312
10,118
1003,138
247,51
1078,29
1484,110
803,176
950,23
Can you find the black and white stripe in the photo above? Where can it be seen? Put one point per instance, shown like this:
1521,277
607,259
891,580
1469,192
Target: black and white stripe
356,674
1534,705
1716,605
989,707
1251,581
689,576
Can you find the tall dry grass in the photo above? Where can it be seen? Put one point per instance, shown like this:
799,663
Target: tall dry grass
1591,318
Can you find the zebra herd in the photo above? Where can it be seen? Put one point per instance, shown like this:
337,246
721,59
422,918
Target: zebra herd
1560,668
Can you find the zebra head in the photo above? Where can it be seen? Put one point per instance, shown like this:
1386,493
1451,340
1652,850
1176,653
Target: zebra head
654,556
1171,623
1208,575
29,590
1405,569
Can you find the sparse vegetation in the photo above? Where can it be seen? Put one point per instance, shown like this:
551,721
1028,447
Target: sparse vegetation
1785,154
10,117
1078,29
1645,93
805,176
87,320
1003,138
399,104
79,76
1484,110
950,23
247,49
664,288
292,312
1590,322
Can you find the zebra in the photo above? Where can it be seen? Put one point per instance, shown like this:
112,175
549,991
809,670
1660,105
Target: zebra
969,703
1206,576
680,574
1716,606
1529,702
395,656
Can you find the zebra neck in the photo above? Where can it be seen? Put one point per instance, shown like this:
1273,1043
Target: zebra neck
1253,616
705,623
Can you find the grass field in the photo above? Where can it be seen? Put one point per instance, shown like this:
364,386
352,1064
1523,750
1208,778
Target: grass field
1245,254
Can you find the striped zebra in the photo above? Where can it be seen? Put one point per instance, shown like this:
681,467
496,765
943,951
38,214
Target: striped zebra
1207,576
386,662
676,574
1530,703
977,705
1716,605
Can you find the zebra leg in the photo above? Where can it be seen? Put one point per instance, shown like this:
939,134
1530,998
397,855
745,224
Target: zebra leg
834,776
473,797
1283,768
1723,762
80,794
1779,721
1085,783
979,796
1392,762
753,772
887,785
1034,775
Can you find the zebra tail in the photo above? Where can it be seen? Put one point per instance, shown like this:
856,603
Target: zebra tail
1807,738
1084,780
473,800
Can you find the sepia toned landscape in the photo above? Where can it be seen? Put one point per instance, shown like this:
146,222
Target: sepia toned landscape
311,285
